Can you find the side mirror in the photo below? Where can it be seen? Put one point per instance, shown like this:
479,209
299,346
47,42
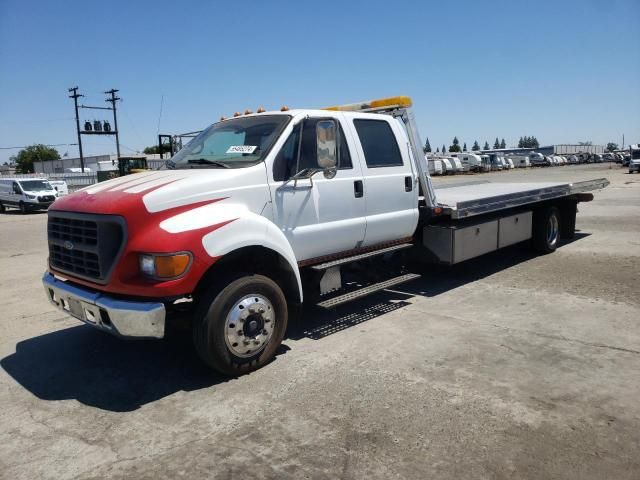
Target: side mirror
327,147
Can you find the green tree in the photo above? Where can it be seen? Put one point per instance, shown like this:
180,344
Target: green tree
154,150
534,143
455,146
464,147
475,147
503,144
496,144
444,149
612,146
486,146
427,146
33,153
438,150
521,143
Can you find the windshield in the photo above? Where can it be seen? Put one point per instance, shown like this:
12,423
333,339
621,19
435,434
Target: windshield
635,154
233,143
35,185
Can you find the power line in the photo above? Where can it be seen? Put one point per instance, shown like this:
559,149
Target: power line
45,144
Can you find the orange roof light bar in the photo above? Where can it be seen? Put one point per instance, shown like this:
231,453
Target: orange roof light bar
388,103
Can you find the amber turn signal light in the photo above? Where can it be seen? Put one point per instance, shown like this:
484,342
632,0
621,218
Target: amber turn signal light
163,266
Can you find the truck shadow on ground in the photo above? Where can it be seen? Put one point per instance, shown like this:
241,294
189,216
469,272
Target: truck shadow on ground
108,373
317,323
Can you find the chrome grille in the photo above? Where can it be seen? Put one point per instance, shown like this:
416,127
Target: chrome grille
85,245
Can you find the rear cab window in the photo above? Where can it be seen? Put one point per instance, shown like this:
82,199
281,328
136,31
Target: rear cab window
379,143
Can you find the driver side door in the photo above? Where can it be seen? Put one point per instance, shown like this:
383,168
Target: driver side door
319,216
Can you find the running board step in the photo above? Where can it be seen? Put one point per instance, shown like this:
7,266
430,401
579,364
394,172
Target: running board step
362,256
363,292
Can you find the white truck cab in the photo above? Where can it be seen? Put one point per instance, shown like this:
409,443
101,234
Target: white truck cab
26,194
262,213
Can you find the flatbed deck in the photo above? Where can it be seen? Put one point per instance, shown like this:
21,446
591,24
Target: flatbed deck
463,201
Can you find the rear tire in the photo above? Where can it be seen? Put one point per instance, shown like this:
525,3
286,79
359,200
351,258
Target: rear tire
239,324
546,230
2,208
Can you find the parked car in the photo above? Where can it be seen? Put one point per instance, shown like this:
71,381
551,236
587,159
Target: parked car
634,158
26,194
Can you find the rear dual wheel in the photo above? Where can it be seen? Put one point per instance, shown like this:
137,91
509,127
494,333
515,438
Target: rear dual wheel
240,323
546,230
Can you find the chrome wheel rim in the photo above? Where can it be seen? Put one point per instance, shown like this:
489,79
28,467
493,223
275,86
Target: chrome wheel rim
249,325
552,230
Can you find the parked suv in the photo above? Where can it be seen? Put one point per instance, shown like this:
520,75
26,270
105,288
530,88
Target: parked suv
26,194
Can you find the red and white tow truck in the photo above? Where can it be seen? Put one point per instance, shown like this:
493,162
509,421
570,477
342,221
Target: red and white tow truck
262,212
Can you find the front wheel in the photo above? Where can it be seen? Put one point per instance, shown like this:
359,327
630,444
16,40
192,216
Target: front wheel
239,325
546,230
23,208
2,208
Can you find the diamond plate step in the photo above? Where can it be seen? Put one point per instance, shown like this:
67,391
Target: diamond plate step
363,292
362,256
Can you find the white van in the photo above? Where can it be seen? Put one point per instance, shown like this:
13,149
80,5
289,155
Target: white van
26,194
60,186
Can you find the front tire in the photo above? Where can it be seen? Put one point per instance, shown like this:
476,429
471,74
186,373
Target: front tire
23,208
546,230
2,208
239,324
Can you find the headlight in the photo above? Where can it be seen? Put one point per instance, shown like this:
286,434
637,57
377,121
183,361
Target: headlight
30,197
164,266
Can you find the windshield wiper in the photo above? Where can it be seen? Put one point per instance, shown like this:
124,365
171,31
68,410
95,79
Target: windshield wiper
204,161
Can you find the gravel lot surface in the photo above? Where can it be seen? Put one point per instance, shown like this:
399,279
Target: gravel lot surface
508,366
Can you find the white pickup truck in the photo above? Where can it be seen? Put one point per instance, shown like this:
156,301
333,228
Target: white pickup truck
262,212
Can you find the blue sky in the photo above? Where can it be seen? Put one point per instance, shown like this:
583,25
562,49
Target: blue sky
564,71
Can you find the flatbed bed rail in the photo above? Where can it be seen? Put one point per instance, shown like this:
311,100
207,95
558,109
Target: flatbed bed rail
469,200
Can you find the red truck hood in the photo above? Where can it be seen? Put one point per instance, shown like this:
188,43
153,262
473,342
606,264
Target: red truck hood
153,192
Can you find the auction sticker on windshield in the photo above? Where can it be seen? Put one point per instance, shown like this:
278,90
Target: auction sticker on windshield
241,149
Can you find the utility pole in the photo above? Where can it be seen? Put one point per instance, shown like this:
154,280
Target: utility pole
75,97
113,101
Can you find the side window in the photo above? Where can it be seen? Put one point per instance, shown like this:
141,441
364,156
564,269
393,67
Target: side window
378,143
284,166
16,188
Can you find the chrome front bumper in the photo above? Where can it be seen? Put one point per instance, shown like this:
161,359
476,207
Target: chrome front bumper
120,317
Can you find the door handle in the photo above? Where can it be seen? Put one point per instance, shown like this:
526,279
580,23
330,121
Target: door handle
408,183
358,188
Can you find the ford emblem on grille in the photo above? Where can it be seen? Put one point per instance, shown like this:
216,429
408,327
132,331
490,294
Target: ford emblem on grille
68,245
